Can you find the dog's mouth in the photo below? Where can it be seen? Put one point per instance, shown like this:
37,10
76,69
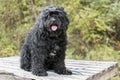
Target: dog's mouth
54,27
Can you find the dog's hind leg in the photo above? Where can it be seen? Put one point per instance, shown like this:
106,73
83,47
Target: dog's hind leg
25,61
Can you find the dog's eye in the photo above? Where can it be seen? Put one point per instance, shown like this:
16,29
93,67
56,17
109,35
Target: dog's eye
54,13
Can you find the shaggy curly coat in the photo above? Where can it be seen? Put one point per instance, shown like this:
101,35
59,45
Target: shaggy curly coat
45,46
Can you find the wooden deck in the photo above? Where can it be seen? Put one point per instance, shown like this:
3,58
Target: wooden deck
82,70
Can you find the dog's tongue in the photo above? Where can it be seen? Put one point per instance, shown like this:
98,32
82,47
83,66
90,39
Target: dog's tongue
54,27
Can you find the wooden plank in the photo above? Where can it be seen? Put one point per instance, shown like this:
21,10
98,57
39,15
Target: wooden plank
82,70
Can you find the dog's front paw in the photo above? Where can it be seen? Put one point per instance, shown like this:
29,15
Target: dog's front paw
63,71
39,72
26,68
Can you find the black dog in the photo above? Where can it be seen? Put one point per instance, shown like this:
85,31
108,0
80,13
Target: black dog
45,46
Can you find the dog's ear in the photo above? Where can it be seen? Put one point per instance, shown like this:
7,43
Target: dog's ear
65,16
60,8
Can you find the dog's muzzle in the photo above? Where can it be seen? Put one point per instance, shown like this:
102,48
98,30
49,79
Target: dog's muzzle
54,26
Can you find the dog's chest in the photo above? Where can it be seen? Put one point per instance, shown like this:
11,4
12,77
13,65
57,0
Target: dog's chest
54,48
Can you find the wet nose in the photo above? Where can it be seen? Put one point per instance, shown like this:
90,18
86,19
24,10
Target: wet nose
53,19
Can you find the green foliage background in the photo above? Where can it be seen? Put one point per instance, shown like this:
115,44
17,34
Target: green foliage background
93,34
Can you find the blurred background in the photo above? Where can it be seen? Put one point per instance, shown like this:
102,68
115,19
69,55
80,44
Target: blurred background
93,34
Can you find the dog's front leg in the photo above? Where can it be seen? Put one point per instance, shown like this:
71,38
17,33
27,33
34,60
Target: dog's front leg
38,57
60,66
61,69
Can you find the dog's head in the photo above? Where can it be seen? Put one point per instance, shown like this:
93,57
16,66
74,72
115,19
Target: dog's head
54,19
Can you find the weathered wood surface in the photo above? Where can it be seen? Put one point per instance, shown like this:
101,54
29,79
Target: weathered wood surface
82,70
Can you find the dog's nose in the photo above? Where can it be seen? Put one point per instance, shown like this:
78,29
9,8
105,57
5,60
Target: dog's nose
53,19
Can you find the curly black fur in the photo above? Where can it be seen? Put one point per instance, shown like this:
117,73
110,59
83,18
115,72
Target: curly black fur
44,49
